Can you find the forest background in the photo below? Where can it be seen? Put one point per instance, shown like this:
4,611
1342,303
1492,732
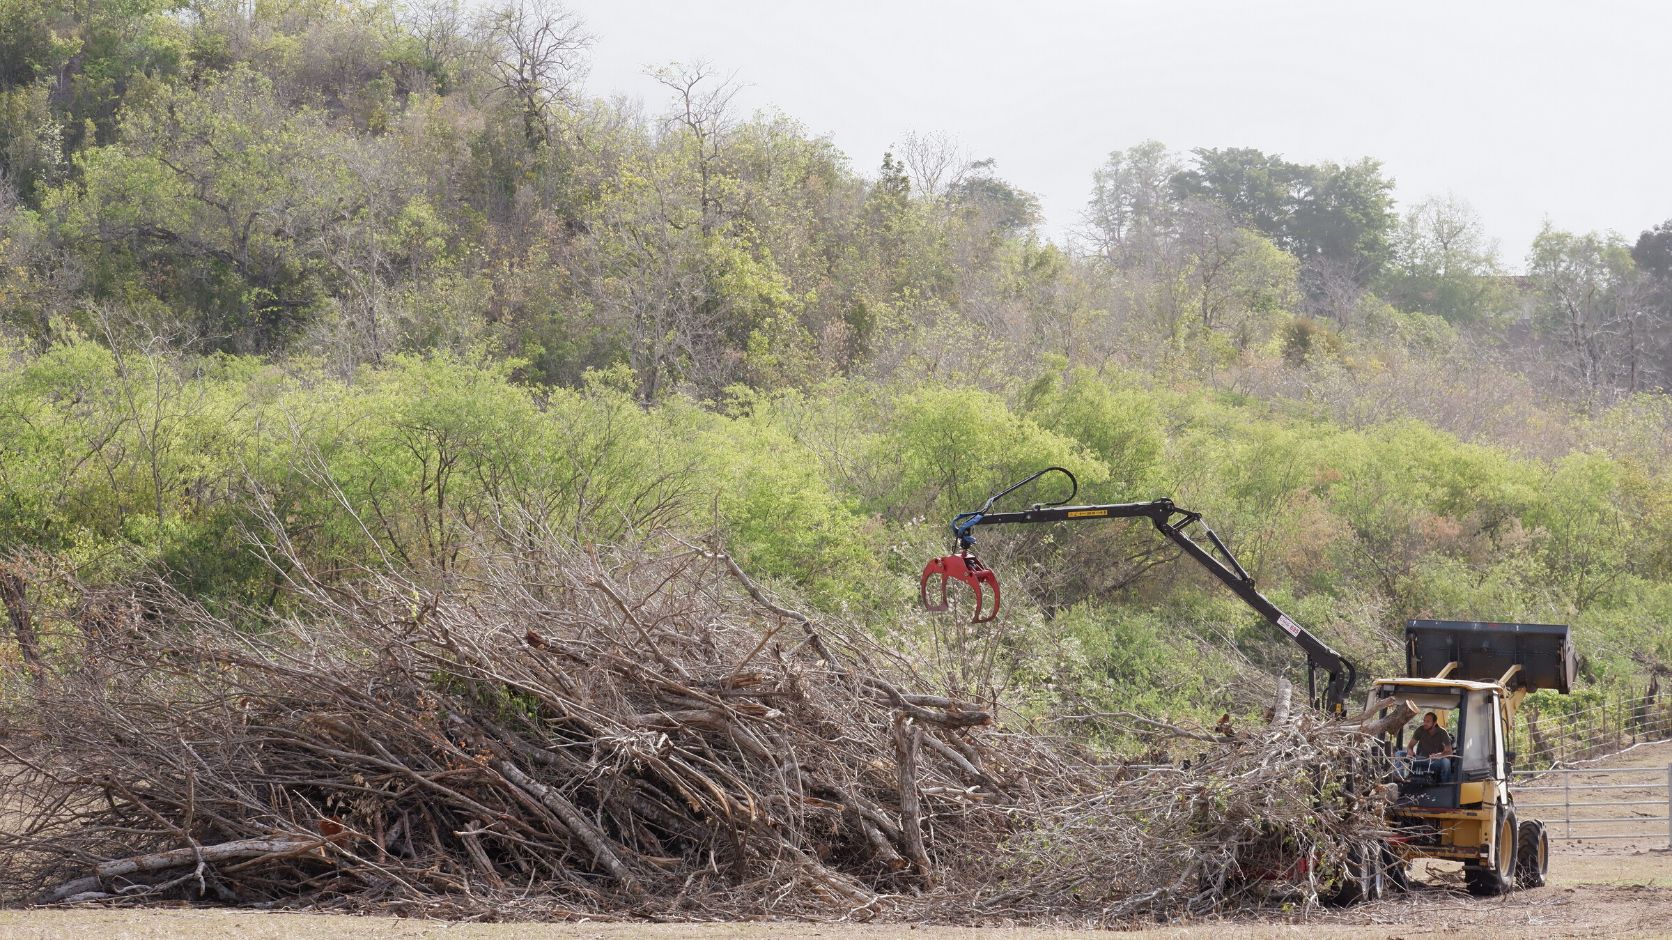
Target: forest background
385,283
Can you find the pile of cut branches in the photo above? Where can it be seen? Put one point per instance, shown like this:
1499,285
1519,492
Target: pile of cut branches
565,732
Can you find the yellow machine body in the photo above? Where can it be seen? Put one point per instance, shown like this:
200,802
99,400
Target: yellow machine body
1460,807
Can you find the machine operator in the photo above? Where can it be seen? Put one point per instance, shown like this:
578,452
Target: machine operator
1431,740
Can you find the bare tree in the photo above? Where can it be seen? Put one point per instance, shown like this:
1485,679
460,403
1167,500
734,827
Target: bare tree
702,110
1592,307
934,162
1333,289
538,48
443,30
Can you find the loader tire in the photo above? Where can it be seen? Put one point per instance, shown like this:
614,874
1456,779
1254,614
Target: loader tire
1532,855
1365,877
1498,877
1397,869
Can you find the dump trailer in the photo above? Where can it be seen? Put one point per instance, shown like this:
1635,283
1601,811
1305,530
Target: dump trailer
1453,798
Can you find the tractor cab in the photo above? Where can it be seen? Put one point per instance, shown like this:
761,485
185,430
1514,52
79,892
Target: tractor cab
1446,732
1456,737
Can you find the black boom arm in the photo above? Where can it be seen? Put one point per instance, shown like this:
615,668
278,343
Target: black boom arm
1216,557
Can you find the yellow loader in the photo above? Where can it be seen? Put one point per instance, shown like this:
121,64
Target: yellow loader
1456,803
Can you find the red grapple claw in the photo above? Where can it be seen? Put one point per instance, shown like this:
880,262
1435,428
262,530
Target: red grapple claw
963,567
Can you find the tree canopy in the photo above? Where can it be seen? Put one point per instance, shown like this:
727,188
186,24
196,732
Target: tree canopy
390,275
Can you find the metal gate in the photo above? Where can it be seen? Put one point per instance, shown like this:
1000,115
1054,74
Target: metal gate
1600,803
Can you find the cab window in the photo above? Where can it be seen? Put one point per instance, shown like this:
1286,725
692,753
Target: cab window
1478,748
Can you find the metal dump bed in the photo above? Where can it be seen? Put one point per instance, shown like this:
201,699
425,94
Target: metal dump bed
1485,651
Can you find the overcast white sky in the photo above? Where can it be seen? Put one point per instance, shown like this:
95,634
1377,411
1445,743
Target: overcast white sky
1527,110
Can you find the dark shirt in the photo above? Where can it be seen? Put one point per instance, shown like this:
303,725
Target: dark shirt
1428,743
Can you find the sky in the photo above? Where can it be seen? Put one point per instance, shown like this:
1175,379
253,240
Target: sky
1529,111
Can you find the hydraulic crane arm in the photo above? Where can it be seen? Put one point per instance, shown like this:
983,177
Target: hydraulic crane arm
1171,522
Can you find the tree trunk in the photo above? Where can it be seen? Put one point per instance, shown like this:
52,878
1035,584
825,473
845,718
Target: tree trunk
14,594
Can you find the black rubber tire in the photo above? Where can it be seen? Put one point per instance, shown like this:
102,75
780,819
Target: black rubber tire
1532,855
1398,871
1376,872
1499,878
1364,879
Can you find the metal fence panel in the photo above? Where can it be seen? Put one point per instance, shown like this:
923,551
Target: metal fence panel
1660,787
1550,738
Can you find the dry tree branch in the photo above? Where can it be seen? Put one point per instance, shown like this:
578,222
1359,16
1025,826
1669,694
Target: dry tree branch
616,732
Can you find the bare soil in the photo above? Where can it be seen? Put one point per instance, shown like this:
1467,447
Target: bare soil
1614,888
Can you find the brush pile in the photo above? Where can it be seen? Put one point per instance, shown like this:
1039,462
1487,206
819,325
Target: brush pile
566,733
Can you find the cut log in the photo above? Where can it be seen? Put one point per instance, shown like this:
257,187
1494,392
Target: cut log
577,823
963,762
1401,712
274,848
908,737
1280,709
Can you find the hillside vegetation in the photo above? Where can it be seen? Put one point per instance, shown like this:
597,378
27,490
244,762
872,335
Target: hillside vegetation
385,281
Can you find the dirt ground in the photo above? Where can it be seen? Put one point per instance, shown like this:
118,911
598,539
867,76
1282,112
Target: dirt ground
1614,888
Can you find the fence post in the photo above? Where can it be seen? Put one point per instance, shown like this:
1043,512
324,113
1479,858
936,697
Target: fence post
1567,802
1669,805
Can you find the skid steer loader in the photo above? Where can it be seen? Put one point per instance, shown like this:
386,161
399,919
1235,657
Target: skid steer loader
1451,804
